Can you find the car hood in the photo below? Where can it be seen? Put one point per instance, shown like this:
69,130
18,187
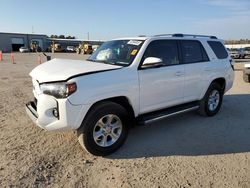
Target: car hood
63,69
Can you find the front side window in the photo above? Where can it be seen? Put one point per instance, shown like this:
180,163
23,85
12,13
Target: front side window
117,52
193,52
166,50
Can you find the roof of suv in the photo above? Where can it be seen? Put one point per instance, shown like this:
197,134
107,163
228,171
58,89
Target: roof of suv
184,36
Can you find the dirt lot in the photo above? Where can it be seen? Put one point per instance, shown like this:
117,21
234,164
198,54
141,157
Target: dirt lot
183,151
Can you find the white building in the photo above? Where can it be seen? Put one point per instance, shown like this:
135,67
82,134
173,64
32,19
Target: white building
237,46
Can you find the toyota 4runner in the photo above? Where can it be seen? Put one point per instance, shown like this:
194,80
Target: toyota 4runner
130,81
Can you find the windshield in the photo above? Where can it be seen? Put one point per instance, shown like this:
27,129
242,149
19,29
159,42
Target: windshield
117,52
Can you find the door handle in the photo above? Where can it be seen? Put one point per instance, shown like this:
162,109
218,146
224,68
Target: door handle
179,73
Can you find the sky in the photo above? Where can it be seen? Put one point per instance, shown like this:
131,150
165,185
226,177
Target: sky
107,19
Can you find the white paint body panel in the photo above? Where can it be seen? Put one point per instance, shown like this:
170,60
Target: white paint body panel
62,69
161,87
147,90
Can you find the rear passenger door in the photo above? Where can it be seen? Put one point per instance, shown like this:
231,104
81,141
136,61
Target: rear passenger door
161,87
196,63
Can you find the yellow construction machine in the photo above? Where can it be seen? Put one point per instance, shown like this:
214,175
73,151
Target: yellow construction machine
34,46
56,47
84,48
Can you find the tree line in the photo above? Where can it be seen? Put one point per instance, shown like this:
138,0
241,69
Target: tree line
62,37
241,41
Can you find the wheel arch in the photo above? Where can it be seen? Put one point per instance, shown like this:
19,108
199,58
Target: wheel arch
221,81
121,100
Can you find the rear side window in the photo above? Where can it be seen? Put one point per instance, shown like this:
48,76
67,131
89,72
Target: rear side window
218,49
193,52
167,50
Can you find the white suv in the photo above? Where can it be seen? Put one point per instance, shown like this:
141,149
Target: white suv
130,81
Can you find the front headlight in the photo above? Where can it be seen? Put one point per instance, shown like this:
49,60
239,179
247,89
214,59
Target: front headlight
58,90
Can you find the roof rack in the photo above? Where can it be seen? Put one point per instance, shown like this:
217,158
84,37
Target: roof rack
187,35
160,35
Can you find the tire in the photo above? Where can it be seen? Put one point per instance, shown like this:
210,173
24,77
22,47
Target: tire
246,77
216,100
105,142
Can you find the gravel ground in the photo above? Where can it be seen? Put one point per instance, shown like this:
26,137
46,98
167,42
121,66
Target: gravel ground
182,151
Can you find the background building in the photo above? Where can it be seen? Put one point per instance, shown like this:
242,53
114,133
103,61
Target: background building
13,41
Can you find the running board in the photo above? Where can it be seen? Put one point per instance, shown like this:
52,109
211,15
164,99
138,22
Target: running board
168,112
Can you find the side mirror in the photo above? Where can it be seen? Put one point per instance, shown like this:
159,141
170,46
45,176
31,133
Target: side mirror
152,62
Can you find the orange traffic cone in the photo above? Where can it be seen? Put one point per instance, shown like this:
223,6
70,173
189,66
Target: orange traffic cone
1,56
12,58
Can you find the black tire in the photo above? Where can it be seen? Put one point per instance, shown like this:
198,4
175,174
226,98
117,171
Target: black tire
203,104
85,132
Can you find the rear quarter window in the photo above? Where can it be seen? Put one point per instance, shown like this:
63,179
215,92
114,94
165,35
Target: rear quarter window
219,49
193,52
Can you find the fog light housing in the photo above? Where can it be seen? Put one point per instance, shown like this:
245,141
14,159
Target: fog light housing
55,112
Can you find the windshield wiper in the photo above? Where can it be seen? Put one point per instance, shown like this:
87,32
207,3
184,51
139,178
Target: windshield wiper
108,62
101,61
121,63
90,60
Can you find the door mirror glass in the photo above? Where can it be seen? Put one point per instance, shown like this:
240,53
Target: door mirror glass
151,62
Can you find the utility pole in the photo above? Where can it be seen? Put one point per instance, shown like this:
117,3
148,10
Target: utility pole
32,29
88,36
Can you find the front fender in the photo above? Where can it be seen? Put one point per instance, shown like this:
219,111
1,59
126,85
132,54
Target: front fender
96,87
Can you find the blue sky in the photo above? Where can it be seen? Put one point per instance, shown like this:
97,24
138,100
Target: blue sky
106,19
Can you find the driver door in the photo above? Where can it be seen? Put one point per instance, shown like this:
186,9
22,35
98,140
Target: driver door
161,87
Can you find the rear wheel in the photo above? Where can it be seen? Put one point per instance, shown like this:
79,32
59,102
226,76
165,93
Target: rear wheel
211,102
104,129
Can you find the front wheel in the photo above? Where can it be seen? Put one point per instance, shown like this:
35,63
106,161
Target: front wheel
104,129
211,102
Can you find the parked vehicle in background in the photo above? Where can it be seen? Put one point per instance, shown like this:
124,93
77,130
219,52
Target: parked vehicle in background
246,52
71,49
24,49
240,53
130,80
246,73
234,53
